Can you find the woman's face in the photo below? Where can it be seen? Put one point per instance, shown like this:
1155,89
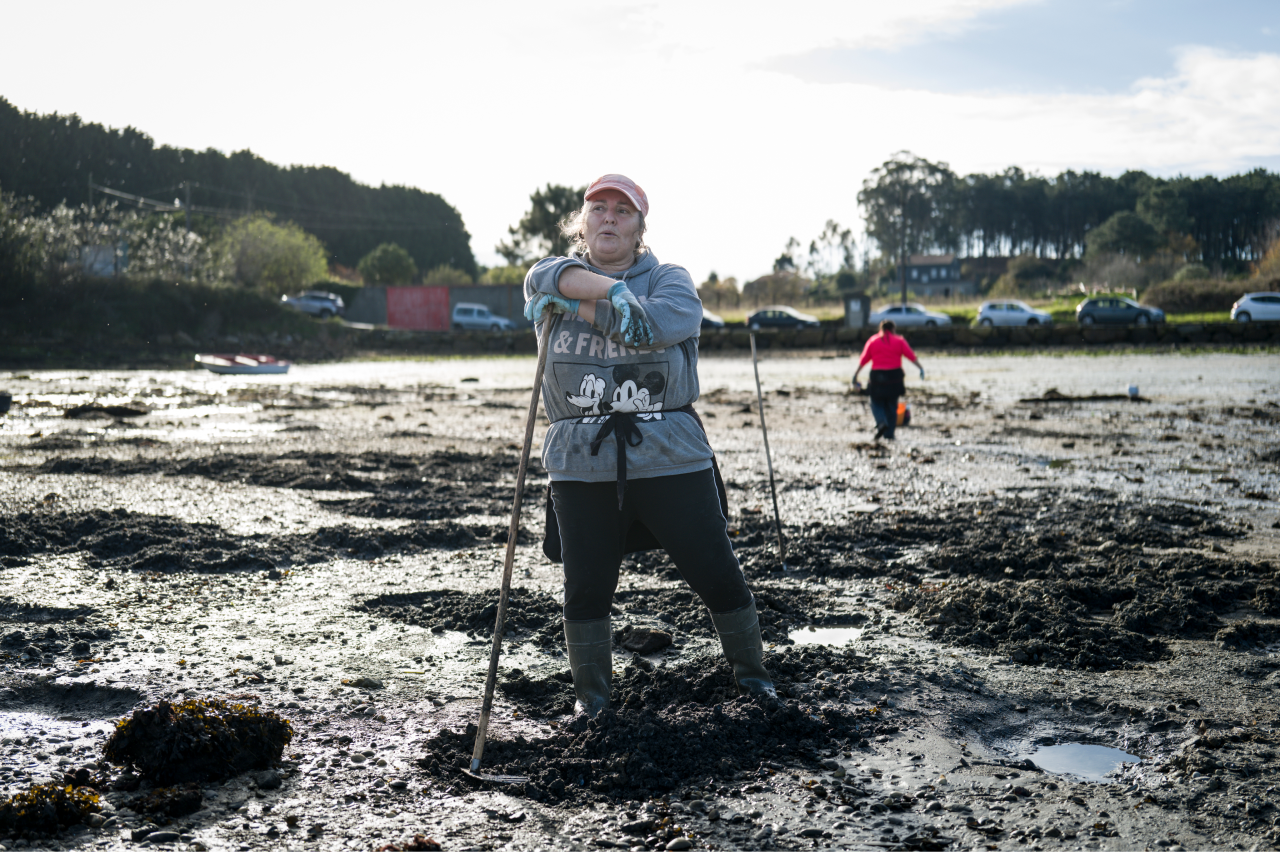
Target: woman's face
613,228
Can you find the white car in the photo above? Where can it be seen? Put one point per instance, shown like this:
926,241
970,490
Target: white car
1254,307
1011,312
318,303
472,316
909,315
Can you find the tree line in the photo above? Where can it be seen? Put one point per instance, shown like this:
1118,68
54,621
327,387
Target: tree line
915,206
48,160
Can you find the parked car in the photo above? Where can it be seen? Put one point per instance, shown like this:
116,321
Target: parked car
1256,306
1116,310
318,303
781,316
472,316
1011,312
908,315
710,320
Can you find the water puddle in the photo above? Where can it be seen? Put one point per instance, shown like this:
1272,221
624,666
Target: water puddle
1089,762
1057,464
832,636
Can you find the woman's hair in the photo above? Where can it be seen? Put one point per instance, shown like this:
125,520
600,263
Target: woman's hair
574,226
887,325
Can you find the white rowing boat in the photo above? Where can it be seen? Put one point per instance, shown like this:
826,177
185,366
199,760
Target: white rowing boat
242,364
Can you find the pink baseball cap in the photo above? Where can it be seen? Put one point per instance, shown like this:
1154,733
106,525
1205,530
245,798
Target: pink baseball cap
623,184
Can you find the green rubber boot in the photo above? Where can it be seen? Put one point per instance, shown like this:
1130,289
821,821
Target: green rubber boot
590,645
739,633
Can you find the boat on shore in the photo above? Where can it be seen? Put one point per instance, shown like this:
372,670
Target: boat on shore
242,364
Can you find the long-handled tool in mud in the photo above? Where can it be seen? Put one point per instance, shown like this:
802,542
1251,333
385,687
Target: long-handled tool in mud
482,728
777,517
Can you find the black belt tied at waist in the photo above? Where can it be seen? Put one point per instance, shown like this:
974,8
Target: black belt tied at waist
626,431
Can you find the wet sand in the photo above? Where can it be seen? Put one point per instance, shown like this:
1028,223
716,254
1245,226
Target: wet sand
1005,580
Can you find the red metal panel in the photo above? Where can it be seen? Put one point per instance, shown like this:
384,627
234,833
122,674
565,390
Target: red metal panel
418,308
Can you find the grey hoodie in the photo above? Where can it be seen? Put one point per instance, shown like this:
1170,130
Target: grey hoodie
591,374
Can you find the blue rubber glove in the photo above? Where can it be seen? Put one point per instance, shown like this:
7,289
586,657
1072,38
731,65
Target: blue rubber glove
636,329
550,303
921,372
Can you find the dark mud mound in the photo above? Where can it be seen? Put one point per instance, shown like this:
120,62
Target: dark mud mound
1031,537
780,609
370,544
137,542
1104,608
1247,635
676,726
551,696
197,740
472,613
440,485
417,843
1028,624
45,808
132,541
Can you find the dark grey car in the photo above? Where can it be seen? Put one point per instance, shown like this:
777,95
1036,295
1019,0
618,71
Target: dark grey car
1116,310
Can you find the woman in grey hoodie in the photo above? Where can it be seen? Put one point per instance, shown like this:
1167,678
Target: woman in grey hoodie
623,363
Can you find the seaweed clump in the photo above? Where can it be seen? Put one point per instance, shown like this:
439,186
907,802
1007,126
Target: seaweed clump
196,740
44,808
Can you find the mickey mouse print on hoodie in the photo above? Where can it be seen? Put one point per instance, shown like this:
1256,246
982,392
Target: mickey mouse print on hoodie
592,375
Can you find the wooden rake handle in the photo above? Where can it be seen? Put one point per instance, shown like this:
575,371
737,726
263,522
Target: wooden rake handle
513,531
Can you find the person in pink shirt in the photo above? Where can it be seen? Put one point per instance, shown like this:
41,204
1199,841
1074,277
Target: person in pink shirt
885,351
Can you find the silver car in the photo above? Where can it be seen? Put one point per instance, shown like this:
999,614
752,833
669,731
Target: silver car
1011,312
1255,307
909,315
476,317
318,303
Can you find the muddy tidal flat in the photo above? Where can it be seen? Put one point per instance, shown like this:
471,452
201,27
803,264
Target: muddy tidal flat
1035,621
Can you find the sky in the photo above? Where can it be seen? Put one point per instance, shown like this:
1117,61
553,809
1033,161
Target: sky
747,123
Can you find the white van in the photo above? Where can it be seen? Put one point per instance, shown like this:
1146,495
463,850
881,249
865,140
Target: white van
469,316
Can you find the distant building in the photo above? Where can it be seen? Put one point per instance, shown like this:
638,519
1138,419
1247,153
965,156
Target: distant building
937,275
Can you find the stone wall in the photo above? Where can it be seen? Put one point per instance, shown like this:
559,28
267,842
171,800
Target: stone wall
1003,337
835,337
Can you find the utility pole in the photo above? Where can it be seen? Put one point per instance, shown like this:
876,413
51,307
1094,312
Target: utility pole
902,248
90,190
187,218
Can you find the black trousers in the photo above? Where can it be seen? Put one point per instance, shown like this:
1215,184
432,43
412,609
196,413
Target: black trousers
885,411
682,511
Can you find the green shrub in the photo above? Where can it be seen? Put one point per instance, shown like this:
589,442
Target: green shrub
273,258
1195,295
1191,272
388,265
504,275
446,276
